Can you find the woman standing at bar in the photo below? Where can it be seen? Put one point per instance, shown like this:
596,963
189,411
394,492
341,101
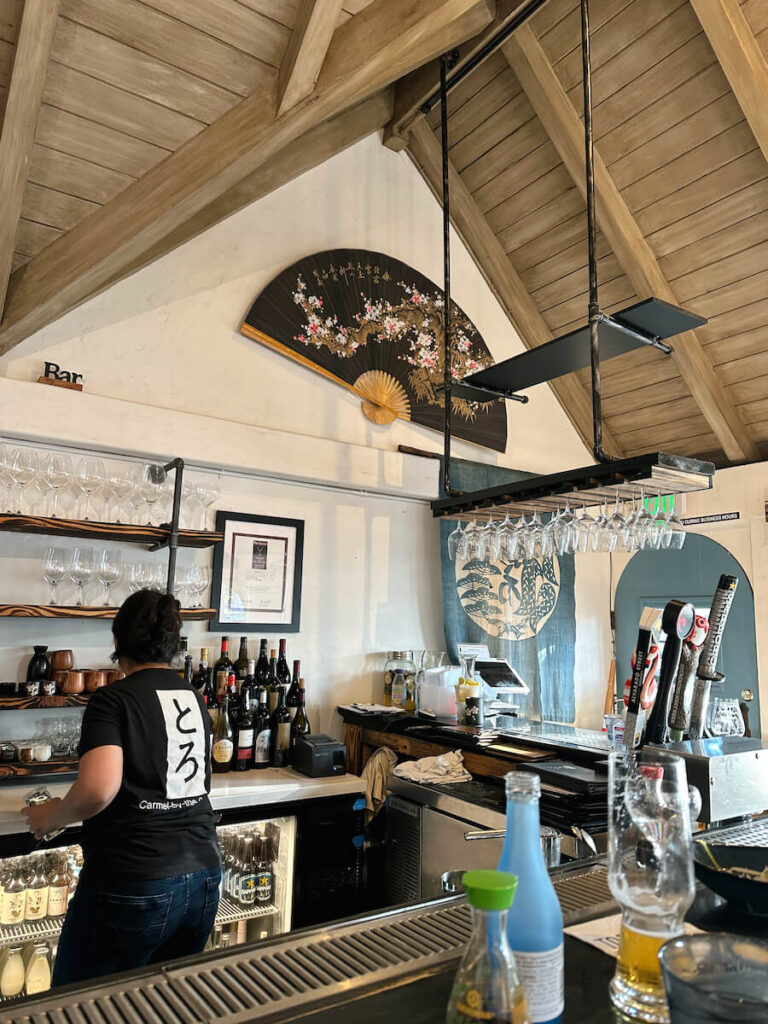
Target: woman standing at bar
149,887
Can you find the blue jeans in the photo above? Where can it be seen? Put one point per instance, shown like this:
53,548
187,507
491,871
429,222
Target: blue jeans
124,923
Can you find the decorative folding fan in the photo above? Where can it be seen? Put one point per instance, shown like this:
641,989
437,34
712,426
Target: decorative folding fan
375,325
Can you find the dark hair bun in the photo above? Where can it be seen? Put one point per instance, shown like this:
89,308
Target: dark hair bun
147,627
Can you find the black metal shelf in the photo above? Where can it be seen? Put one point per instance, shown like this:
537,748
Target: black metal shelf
637,326
629,478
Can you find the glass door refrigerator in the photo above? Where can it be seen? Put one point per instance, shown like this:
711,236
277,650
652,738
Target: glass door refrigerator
258,862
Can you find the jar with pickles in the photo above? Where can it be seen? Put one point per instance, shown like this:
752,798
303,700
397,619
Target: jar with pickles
400,670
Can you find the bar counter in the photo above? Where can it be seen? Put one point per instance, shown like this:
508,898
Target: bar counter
267,789
375,969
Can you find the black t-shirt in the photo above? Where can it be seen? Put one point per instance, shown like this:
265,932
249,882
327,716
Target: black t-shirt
160,823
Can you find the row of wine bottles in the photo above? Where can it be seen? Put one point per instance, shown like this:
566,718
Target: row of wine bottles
258,710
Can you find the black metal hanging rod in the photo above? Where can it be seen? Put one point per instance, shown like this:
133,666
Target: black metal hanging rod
525,12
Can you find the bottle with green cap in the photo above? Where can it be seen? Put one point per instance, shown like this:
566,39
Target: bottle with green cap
487,987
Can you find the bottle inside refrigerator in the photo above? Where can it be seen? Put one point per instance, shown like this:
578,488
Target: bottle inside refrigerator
256,899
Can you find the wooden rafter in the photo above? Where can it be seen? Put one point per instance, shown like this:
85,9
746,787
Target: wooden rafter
387,40
25,94
414,89
306,51
741,59
308,151
494,264
563,125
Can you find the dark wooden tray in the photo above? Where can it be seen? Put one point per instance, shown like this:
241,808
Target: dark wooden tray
14,771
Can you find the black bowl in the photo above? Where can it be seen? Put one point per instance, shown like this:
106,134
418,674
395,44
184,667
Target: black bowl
749,895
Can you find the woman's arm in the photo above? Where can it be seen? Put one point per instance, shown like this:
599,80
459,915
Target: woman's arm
98,782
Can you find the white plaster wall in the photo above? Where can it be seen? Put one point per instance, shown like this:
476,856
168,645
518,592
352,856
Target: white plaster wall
167,373
168,336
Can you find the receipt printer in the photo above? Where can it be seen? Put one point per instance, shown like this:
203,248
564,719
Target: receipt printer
319,756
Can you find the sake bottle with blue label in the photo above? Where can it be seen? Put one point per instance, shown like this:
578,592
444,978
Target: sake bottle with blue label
535,922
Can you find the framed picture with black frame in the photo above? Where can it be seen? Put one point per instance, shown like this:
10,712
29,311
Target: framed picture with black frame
257,574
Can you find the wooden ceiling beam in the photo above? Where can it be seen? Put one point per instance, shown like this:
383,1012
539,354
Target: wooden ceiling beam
25,94
482,22
308,151
742,60
638,261
307,47
494,264
367,53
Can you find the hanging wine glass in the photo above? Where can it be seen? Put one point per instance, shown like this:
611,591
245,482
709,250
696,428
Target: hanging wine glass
583,530
467,548
486,540
453,540
563,530
503,531
548,544
532,540
676,528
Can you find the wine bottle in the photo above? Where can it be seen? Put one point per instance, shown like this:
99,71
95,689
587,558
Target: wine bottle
292,697
300,725
535,922
249,686
281,731
283,672
244,725
241,665
58,887
223,748
262,732
272,683
203,674
262,665
189,670
222,668
177,661
211,699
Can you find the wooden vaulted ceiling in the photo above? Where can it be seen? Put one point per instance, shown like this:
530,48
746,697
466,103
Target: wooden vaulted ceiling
131,125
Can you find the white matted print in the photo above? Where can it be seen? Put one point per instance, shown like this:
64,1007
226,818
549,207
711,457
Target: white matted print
257,572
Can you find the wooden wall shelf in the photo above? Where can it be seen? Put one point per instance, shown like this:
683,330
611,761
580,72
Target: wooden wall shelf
86,530
57,611
58,700
12,770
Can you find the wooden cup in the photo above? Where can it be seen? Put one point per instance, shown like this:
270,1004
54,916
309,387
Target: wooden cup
113,674
60,678
95,678
62,660
74,682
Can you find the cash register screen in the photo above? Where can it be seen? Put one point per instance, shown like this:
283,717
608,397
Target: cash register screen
500,675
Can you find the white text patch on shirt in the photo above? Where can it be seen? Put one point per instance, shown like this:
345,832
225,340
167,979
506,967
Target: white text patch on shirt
185,773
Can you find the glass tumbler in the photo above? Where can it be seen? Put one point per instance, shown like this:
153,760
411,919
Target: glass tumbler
716,979
650,872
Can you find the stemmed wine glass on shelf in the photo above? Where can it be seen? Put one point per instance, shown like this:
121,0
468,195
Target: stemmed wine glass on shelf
54,569
24,465
90,476
109,571
58,473
208,490
81,570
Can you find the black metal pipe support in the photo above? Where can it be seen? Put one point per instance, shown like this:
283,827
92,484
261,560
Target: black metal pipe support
173,532
526,12
594,308
447,61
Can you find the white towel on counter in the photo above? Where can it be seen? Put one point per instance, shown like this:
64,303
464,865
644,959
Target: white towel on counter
443,768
